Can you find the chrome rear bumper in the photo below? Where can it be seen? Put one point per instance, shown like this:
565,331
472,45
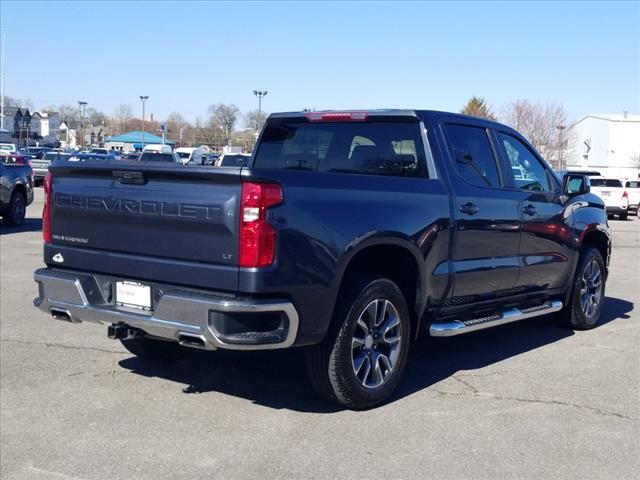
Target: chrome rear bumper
177,313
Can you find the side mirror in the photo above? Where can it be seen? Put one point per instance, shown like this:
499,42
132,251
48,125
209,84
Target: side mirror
576,184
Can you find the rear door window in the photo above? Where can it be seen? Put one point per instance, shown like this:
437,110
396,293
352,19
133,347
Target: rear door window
473,155
375,147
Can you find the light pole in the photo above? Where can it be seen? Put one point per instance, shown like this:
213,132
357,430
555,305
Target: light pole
81,107
143,98
560,150
259,94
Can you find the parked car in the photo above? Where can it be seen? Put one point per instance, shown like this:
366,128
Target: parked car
9,147
36,152
233,160
632,188
132,156
190,156
41,166
16,189
615,197
348,234
89,157
159,153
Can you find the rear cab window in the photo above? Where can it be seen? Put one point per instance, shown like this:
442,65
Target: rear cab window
473,157
605,182
376,146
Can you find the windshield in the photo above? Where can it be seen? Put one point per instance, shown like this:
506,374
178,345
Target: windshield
234,161
157,157
375,147
606,182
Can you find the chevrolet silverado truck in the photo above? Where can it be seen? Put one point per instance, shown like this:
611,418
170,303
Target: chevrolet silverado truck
347,234
16,189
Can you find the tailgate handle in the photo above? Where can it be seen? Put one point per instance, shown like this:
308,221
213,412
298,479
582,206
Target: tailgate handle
133,178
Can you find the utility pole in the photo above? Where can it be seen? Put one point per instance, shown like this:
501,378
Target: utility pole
560,150
259,94
143,98
81,106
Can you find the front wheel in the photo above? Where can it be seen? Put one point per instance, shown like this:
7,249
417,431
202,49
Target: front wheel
587,292
361,360
16,211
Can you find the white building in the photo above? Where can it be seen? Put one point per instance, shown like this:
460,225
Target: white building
46,125
609,143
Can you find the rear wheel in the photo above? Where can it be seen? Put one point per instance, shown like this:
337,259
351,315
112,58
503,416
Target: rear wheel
623,216
587,294
361,360
16,211
151,349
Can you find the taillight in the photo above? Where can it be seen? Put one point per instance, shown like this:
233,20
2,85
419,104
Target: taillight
625,195
46,211
257,246
336,116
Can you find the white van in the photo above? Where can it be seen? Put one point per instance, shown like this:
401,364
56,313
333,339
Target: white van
190,155
157,148
158,153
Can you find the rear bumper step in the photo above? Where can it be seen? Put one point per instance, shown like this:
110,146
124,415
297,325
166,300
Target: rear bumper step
458,327
182,316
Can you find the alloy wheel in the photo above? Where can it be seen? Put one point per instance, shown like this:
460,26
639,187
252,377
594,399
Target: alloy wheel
375,346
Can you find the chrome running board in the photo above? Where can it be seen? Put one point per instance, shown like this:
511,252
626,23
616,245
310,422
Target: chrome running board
458,327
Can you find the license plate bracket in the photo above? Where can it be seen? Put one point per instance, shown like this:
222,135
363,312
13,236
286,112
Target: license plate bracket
133,295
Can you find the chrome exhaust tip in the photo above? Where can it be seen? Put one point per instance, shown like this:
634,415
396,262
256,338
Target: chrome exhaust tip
193,341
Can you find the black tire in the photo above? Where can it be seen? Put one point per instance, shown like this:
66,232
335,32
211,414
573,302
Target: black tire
573,314
155,350
16,211
332,365
623,216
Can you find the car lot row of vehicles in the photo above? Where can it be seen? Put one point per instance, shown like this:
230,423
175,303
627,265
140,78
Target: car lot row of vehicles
621,197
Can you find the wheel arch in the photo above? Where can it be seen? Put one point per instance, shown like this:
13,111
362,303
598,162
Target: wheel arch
395,258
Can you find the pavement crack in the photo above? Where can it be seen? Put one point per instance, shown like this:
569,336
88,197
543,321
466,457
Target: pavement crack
61,345
465,383
595,410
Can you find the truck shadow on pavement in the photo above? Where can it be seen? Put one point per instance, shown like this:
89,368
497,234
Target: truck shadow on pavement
277,379
29,225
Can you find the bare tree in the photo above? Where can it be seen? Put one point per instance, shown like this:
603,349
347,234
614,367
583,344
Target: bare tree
478,107
254,119
545,126
12,102
69,112
176,124
121,116
225,115
95,117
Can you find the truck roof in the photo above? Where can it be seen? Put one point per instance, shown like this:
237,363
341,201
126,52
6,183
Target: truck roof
391,112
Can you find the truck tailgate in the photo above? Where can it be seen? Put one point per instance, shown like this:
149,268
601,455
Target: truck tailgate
160,219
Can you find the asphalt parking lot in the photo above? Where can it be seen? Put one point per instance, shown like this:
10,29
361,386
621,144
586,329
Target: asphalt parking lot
527,400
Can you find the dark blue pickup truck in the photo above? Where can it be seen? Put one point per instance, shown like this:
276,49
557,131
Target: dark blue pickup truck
348,234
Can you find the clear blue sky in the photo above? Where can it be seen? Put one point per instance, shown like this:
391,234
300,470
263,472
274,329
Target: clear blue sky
188,55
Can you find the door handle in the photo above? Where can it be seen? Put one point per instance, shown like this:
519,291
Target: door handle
529,210
469,208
